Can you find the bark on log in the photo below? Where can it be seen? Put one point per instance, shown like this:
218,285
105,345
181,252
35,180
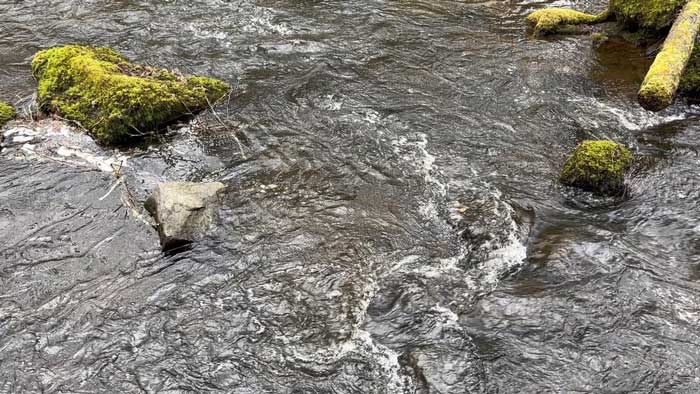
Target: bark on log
664,76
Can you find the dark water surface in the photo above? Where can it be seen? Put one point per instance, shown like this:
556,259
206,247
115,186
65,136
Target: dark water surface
393,224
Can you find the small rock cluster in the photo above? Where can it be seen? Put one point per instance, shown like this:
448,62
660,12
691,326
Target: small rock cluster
117,102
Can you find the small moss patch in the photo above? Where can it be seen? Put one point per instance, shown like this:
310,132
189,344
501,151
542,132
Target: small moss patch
113,99
597,166
7,113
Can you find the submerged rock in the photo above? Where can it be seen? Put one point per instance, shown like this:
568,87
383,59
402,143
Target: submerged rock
183,211
7,113
113,99
597,166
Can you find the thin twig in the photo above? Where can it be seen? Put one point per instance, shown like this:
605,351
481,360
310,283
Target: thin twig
216,115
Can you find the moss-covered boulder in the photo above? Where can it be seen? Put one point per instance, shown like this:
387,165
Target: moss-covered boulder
597,166
113,99
7,113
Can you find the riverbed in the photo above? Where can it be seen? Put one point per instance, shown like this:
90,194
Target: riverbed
393,223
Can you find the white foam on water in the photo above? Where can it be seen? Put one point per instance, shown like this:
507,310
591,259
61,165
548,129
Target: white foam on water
371,117
106,164
361,343
263,21
331,103
450,317
631,120
502,260
387,359
507,256
293,46
487,274
415,152
201,32
57,141
407,260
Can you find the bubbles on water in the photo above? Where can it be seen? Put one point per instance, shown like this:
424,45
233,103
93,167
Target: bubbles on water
385,368
331,103
413,149
630,118
263,20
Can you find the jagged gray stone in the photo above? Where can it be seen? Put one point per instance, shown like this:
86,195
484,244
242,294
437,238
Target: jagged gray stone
183,211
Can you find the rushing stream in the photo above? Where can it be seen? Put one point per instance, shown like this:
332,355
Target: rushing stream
393,224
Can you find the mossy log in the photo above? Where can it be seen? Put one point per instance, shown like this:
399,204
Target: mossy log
113,99
551,20
664,76
652,17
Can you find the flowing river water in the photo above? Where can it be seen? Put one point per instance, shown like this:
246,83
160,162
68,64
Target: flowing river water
393,222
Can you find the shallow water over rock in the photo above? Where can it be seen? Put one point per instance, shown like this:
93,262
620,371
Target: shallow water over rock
392,222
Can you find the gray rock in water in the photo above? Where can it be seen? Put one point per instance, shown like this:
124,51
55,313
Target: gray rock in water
183,211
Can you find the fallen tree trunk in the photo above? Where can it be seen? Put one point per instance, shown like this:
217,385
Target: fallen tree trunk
664,76
550,20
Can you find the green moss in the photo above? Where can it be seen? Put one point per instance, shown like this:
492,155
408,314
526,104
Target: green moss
654,15
551,20
7,113
690,81
598,166
113,99
649,16
599,38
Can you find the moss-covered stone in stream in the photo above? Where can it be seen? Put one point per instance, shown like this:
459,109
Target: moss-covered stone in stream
113,99
7,113
597,166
